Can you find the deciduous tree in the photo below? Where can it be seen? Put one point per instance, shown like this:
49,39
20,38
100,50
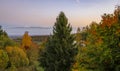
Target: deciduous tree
26,41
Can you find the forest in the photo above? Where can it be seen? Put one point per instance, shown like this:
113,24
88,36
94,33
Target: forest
95,47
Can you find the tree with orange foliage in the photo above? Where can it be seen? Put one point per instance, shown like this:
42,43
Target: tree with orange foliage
109,19
26,40
102,50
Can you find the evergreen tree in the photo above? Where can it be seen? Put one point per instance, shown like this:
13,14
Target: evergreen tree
60,51
3,34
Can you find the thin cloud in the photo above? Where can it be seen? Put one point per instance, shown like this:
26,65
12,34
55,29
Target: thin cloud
78,1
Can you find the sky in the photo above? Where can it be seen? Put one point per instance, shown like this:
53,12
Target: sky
43,13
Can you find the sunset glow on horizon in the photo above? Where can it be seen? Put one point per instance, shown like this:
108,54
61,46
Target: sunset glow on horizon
44,12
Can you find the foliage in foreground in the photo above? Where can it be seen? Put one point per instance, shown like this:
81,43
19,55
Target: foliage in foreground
13,57
101,50
60,49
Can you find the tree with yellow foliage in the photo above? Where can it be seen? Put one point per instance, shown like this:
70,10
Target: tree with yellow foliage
26,40
17,56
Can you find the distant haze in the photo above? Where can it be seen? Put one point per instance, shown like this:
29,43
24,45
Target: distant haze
19,31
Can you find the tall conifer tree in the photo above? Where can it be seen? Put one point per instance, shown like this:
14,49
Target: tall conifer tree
60,49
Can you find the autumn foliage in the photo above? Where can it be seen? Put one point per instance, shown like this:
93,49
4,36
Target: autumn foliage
102,48
110,19
26,41
17,56
95,47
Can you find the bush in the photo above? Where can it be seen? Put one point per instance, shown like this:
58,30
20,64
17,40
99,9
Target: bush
3,59
17,56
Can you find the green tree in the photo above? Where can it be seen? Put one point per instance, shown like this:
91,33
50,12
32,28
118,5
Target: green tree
60,51
3,38
3,59
109,31
2,32
102,50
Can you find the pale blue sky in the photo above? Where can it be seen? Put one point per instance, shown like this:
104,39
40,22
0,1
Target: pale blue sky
44,12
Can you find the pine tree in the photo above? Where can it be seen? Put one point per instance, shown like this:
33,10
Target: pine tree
60,51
